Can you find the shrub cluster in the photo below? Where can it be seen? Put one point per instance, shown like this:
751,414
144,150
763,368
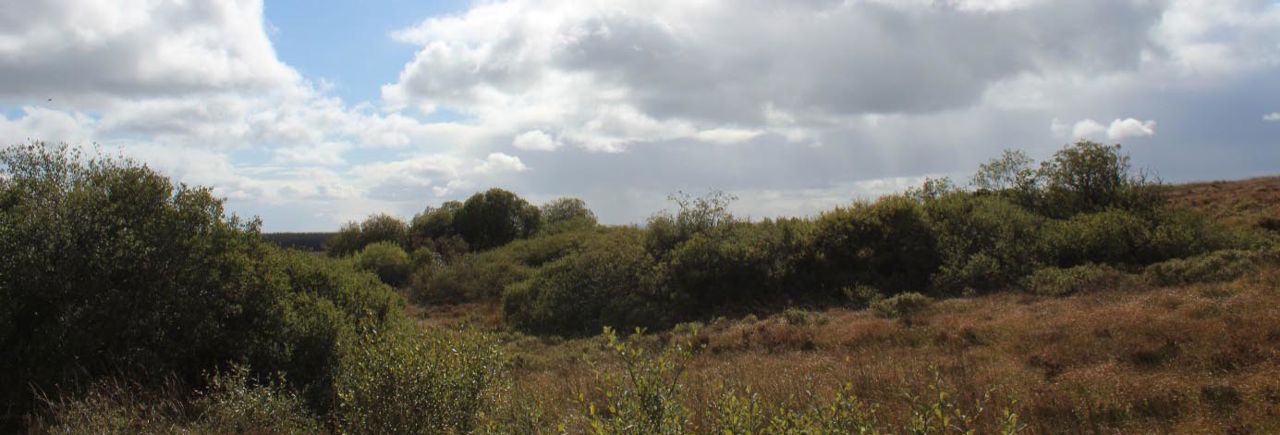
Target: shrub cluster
1018,226
111,270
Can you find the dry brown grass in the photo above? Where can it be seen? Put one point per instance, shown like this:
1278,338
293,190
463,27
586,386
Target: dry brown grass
1193,359
1254,202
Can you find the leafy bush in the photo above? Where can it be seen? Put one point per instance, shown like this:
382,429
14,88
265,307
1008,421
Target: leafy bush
566,214
985,242
1053,281
645,398
1090,177
376,228
409,382
608,282
1114,236
387,260
434,223
112,270
474,277
739,264
887,244
901,306
1224,265
494,218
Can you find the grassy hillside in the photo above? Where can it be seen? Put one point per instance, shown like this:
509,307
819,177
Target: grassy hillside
1249,203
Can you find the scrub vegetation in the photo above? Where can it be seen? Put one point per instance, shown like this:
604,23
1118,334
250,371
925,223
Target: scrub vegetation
1075,295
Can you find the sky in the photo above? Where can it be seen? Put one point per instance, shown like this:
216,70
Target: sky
310,114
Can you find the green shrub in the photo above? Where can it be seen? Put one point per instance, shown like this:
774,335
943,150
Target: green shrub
434,223
110,269
740,264
494,218
1089,177
609,282
1224,265
374,229
887,244
387,260
646,397
566,214
861,296
234,404
1053,281
474,277
902,305
1113,237
410,382
985,242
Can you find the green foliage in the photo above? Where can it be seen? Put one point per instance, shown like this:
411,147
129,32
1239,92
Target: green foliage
1217,266
608,282
482,276
494,218
112,270
376,228
903,305
1011,171
387,260
1090,177
1113,236
695,215
566,214
887,244
408,382
434,223
645,398
232,403
985,242
740,263
1053,281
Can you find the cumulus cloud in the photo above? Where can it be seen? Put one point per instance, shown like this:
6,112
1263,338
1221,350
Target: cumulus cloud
639,98
535,140
77,48
1118,129
1129,127
661,70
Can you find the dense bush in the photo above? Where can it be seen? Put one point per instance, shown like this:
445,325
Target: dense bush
566,214
494,218
985,242
1053,281
1224,265
608,282
433,223
376,228
408,382
387,260
903,305
887,244
739,264
109,269
481,276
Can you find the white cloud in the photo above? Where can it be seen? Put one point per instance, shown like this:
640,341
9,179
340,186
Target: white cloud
612,74
1119,129
499,162
535,140
636,94
1129,127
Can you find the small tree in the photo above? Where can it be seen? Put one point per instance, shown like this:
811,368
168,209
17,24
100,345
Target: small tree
566,213
1089,177
434,223
494,218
